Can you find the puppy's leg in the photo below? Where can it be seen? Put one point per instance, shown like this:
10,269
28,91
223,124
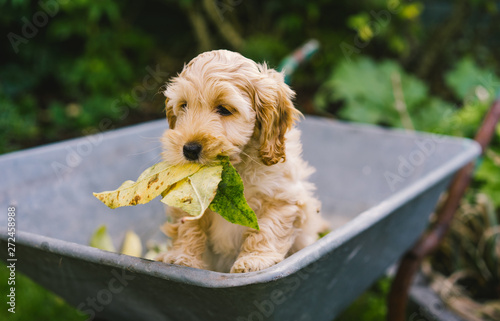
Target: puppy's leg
278,222
188,244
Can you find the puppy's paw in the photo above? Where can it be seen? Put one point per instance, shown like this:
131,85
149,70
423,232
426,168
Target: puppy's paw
255,262
179,258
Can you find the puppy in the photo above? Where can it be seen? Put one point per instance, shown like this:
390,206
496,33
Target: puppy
225,104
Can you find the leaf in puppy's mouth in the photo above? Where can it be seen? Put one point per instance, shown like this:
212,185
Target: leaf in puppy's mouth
192,187
195,193
230,201
160,175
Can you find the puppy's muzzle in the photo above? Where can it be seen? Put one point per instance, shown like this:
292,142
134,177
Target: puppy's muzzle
192,151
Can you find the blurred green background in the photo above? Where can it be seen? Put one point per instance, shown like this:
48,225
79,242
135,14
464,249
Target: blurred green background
72,68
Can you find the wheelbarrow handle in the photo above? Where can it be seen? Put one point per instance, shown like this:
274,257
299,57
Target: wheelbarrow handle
429,241
292,61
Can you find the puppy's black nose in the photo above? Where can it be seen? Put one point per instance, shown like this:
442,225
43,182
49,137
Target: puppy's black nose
192,151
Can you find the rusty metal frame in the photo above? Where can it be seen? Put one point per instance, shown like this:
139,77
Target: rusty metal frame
429,241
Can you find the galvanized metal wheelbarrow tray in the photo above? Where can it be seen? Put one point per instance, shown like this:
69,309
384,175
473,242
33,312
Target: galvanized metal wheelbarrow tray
377,187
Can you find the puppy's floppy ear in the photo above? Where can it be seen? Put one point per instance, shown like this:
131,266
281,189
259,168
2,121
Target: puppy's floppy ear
171,118
275,114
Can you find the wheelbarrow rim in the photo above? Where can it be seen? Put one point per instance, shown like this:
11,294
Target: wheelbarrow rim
210,279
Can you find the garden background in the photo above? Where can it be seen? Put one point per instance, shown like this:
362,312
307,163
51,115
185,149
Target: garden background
70,67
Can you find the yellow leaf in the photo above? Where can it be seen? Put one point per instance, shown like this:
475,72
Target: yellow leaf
132,244
101,239
151,183
195,193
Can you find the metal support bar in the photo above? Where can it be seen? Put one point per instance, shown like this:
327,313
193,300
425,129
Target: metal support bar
429,241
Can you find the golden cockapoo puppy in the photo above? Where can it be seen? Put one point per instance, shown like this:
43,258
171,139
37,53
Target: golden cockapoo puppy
225,104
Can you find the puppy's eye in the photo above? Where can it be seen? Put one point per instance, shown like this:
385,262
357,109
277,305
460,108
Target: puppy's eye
223,111
184,106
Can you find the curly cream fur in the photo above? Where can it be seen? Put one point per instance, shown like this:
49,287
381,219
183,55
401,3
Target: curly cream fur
263,145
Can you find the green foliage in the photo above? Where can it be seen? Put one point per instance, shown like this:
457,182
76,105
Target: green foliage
262,47
477,88
371,305
465,121
467,80
67,72
17,120
33,302
488,175
92,52
387,23
368,91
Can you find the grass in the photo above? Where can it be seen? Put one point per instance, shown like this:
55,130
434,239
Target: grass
33,302
371,305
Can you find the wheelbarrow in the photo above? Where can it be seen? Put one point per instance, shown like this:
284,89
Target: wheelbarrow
376,185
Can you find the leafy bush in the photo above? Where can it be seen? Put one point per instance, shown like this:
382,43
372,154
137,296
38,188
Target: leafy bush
371,305
69,70
477,88
64,74
382,93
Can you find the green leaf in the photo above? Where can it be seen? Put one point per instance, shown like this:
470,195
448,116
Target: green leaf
367,89
467,75
488,174
101,239
230,201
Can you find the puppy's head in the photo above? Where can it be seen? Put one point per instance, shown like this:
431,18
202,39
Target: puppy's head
221,102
